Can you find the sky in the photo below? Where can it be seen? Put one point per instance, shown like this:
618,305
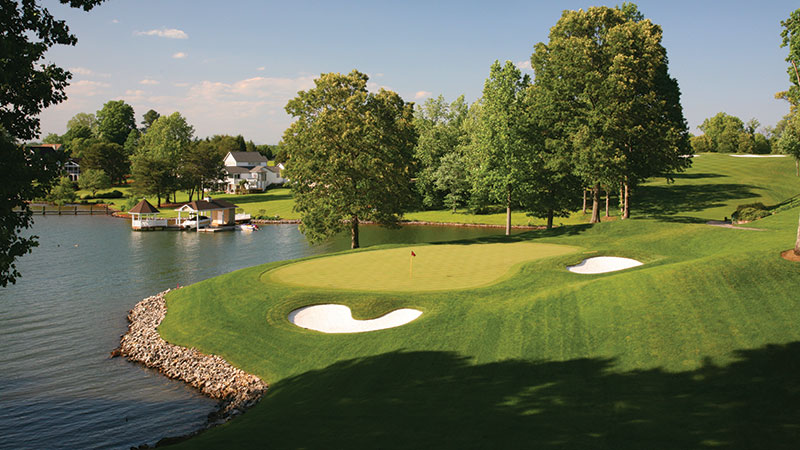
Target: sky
230,67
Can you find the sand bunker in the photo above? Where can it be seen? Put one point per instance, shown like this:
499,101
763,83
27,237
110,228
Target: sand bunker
338,319
603,264
758,156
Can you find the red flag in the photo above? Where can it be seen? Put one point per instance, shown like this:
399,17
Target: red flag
412,253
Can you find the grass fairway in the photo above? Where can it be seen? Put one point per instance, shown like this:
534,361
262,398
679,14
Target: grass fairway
436,267
697,348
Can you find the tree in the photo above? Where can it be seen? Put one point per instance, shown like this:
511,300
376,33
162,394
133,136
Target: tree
93,180
86,120
350,155
109,157
149,117
202,167
267,150
616,109
157,159
63,192
791,39
115,121
439,126
224,144
452,178
724,131
27,86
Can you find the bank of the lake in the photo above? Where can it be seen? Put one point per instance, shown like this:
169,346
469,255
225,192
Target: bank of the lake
60,321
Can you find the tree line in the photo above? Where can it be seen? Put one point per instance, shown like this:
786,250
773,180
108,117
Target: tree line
602,114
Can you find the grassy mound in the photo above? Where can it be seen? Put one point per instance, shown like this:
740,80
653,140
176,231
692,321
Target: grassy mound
435,267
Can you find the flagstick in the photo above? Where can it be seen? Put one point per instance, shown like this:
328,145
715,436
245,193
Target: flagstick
411,266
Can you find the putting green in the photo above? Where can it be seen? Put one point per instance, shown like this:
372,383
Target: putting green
436,267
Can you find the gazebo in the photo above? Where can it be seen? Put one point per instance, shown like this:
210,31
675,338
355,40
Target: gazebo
144,216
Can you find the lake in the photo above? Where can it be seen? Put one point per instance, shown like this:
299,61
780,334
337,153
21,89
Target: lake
58,386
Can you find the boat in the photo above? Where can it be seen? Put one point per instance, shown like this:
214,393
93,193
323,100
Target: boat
247,227
192,223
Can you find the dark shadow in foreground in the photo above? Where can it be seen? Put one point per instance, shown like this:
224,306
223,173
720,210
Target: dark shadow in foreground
665,201
442,400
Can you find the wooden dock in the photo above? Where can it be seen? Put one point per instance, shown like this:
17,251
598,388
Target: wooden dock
71,210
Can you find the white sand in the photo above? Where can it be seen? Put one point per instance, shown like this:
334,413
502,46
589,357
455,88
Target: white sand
603,264
338,319
758,156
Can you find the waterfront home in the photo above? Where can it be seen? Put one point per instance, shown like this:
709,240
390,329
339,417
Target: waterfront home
222,213
144,216
73,169
249,171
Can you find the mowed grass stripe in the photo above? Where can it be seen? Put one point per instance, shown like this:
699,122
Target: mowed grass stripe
436,267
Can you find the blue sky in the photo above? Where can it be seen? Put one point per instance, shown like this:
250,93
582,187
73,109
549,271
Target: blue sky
230,67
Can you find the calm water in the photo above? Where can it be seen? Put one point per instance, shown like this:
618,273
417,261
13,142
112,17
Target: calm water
58,388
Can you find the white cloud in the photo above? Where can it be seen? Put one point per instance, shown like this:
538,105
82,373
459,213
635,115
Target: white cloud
148,81
87,72
170,33
179,55
180,84
422,94
114,21
261,69
86,88
524,65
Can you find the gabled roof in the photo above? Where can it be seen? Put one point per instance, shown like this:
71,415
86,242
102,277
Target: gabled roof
249,157
259,169
205,205
273,169
143,207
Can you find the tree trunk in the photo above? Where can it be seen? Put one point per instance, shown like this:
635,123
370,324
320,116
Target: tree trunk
797,242
621,199
607,200
595,204
158,196
508,215
550,219
584,200
354,232
626,211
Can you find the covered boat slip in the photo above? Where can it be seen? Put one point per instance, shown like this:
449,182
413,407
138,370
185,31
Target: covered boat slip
220,214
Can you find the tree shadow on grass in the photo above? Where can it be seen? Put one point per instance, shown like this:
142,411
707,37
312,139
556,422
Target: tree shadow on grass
258,198
444,400
525,236
666,201
697,176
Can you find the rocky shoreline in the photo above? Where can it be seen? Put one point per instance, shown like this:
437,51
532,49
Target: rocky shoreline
236,389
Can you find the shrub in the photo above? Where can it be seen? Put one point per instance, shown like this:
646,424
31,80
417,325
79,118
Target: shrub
750,212
113,194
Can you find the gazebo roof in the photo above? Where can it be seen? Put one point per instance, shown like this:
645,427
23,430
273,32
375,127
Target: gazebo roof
143,207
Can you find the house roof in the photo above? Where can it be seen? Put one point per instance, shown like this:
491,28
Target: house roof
249,157
236,169
205,205
273,169
143,207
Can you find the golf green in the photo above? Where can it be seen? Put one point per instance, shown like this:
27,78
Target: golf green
434,268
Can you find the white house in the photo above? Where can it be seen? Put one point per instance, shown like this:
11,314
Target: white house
253,168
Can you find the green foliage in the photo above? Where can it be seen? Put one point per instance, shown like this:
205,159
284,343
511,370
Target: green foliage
84,120
63,192
115,121
94,180
130,202
111,194
613,105
789,142
267,150
440,130
350,155
201,166
148,118
750,212
108,157
156,162
790,36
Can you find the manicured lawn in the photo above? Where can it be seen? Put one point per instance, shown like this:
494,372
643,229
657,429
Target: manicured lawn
699,347
435,267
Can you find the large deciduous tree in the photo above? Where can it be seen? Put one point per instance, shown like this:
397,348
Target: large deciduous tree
109,157
618,110
501,149
349,155
157,158
27,86
115,121
201,167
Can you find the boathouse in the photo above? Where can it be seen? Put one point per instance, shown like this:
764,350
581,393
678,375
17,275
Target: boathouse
144,216
222,213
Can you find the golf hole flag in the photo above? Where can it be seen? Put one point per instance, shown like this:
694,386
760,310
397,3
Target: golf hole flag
411,264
